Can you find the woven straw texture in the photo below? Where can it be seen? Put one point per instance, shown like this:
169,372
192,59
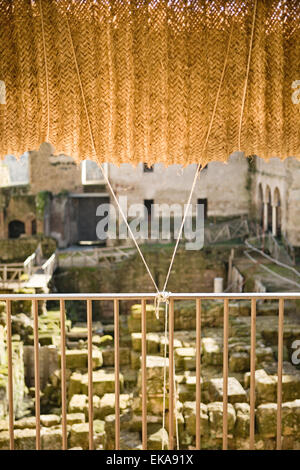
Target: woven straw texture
150,71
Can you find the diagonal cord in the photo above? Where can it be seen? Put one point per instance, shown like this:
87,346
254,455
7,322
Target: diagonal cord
101,166
199,166
247,76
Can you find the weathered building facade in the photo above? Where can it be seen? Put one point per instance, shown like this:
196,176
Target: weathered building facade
277,197
50,194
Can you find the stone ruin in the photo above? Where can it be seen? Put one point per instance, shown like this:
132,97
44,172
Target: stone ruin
130,379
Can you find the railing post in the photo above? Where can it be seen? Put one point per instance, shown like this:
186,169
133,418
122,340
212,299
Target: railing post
10,375
279,373
90,375
63,374
171,374
144,375
198,374
225,375
37,373
117,374
252,374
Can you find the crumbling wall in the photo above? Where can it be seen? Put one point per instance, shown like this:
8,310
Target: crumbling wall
54,173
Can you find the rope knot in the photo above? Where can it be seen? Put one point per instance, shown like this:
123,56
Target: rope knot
161,297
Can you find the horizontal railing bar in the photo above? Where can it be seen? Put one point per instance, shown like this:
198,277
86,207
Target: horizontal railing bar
151,296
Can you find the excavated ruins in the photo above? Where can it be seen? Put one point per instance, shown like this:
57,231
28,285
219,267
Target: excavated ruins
130,378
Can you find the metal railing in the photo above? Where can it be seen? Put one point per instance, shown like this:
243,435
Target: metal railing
143,299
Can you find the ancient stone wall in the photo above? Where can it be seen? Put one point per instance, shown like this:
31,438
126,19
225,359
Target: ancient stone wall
54,173
130,275
172,185
282,181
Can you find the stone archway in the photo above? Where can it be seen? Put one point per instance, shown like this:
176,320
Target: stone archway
260,205
267,224
276,214
16,228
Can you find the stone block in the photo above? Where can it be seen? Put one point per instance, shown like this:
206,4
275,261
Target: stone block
266,419
104,381
79,435
79,404
109,357
25,439
211,352
239,362
49,420
51,439
25,423
153,342
266,389
242,425
75,418
4,440
185,358
78,359
155,374
107,403
236,393
75,384
215,413
291,418
189,413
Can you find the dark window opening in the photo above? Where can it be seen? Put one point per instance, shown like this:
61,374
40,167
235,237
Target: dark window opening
270,215
148,169
148,203
16,228
204,203
33,227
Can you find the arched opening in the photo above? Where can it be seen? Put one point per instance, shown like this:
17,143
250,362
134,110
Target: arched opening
16,228
277,213
268,202
260,205
33,227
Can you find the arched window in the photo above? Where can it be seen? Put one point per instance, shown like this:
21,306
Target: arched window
16,228
260,204
33,227
268,200
277,204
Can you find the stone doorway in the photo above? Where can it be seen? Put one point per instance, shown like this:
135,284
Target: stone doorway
16,228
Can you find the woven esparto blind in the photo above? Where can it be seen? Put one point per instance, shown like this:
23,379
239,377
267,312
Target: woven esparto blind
150,70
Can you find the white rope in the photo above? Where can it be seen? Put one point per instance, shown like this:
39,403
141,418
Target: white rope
101,166
199,167
161,296
164,297
176,410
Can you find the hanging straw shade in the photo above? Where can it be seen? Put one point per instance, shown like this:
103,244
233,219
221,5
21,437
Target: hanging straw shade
146,73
